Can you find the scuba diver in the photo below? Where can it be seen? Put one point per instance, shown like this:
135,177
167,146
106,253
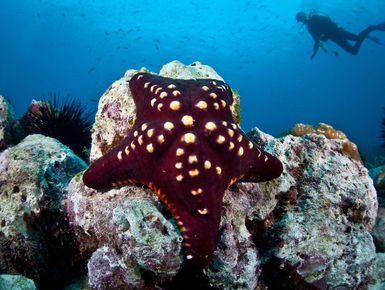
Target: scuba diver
322,29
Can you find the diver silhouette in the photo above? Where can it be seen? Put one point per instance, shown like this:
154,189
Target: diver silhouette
322,29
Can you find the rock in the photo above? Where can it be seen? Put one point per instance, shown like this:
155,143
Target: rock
196,70
106,268
378,175
113,218
115,116
34,108
378,275
16,282
10,131
346,147
116,109
308,228
318,233
378,231
128,232
34,233
236,262
378,172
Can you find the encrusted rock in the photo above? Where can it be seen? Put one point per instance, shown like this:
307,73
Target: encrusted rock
131,236
196,70
10,131
378,175
236,262
308,228
346,147
378,273
129,233
34,108
16,282
116,109
319,231
115,116
34,237
378,231
107,269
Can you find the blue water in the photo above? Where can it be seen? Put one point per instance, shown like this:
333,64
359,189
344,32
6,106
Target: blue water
80,47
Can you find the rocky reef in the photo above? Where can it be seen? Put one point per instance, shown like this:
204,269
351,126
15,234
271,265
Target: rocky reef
308,229
16,282
346,146
378,232
10,131
323,227
34,228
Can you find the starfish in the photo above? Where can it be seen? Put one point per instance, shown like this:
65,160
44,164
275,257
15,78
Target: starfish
187,148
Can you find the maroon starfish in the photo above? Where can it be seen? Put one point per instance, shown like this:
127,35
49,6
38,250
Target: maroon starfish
187,148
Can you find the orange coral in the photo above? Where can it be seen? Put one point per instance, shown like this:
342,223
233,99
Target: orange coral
301,130
347,147
329,131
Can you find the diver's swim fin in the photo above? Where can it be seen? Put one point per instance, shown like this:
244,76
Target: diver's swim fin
381,26
376,40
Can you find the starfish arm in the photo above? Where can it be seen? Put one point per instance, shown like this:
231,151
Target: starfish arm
262,165
116,167
200,234
197,214
245,158
129,162
191,181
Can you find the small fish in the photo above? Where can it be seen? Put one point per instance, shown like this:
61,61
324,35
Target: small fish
91,70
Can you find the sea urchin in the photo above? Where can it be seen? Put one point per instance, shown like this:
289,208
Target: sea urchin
67,121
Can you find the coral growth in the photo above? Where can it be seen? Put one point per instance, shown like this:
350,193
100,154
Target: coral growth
65,120
347,147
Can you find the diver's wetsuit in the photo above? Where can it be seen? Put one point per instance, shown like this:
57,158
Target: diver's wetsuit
322,28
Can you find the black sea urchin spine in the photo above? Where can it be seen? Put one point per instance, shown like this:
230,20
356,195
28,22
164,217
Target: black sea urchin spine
66,120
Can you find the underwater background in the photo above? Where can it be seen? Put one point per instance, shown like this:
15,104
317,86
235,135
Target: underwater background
79,48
